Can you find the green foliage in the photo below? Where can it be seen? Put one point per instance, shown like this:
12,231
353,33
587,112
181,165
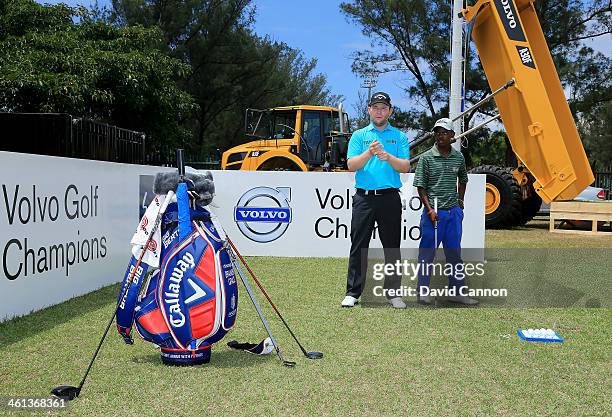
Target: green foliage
60,59
597,137
412,37
231,67
182,71
487,148
407,36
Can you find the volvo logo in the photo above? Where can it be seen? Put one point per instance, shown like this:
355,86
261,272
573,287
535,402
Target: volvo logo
510,19
509,13
263,214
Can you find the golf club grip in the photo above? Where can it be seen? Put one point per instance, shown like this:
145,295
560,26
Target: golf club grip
180,163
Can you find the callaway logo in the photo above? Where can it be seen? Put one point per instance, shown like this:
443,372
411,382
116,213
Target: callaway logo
380,97
177,318
199,292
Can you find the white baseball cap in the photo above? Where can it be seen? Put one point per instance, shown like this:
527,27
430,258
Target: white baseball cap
444,123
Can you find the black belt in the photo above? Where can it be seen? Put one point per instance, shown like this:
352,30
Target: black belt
361,191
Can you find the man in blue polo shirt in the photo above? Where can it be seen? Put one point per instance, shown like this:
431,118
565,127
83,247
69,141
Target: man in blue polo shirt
377,154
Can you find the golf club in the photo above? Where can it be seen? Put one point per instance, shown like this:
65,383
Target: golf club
436,225
309,355
236,266
69,392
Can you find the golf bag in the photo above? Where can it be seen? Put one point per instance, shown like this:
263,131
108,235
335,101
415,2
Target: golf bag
183,296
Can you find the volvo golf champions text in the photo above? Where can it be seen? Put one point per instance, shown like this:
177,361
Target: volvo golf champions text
327,227
27,207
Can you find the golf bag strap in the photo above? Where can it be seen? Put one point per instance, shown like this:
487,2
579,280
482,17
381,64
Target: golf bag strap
128,297
184,218
171,216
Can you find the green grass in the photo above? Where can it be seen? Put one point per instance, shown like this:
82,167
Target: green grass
536,235
378,361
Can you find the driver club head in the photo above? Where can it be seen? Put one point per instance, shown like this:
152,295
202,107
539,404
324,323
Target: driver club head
66,392
314,355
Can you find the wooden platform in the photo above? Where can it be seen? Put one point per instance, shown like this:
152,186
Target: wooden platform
580,210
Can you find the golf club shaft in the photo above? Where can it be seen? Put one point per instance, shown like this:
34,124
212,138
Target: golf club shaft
127,287
436,224
265,294
129,282
110,323
254,301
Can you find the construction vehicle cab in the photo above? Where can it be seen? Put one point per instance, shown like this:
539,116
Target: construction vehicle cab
294,138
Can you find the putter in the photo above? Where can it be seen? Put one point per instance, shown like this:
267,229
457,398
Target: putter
309,355
69,392
236,266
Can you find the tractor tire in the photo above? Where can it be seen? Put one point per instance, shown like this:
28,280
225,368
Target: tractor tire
530,207
503,206
279,164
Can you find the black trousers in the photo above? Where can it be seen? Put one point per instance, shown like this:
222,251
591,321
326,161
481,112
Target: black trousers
386,211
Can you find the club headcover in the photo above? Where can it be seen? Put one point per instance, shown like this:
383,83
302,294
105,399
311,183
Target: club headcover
264,347
199,184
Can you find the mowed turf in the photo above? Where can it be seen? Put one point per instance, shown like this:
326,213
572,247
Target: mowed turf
378,361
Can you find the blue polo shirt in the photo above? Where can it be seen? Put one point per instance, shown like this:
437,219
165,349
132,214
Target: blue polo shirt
377,174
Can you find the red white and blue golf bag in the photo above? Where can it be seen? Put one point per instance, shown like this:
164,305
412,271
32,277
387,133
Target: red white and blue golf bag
183,296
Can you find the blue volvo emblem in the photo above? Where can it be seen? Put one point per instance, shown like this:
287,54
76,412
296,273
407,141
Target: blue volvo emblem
263,214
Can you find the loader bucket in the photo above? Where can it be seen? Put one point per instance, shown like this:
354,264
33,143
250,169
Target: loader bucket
538,121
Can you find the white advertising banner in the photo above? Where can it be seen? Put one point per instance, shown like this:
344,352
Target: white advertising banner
66,224
309,213
65,227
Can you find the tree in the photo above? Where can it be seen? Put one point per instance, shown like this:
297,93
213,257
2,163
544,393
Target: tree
61,59
412,37
231,67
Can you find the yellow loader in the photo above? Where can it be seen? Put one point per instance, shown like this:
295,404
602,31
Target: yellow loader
294,138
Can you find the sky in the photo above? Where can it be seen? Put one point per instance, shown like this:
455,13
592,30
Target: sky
321,31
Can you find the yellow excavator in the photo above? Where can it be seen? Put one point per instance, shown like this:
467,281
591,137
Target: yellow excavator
294,138
552,163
